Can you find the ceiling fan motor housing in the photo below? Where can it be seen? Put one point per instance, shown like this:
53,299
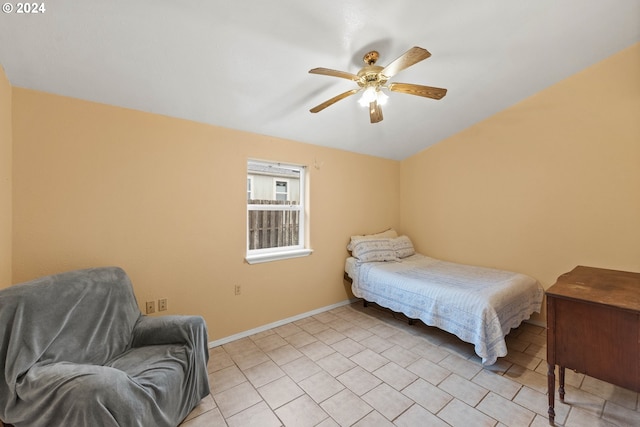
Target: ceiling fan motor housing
371,76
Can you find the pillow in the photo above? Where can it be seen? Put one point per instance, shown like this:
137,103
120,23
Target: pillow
403,246
390,233
368,249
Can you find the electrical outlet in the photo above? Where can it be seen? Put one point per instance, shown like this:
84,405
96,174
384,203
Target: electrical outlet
237,289
162,304
151,307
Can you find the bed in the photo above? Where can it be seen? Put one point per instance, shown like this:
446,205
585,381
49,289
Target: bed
477,304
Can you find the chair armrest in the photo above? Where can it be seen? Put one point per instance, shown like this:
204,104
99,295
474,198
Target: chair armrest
171,329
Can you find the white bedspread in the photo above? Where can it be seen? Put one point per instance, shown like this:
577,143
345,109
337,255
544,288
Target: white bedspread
479,305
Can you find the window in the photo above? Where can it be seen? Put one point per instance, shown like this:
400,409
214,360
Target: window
276,217
281,190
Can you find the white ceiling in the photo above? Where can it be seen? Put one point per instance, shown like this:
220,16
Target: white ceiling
244,64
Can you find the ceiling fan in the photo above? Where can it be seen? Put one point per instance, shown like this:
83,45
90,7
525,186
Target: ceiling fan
372,78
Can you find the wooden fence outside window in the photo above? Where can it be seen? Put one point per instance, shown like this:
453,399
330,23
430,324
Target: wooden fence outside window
273,228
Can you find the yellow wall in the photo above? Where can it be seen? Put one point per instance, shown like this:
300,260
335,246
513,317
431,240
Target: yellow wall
5,180
548,184
166,199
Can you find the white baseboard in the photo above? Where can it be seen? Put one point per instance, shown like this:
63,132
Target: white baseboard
263,328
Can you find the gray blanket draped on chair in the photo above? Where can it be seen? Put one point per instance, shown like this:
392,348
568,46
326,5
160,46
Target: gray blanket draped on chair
76,351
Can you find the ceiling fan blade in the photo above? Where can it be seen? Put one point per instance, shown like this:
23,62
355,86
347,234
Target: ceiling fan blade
335,73
419,90
333,100
407,59
375,112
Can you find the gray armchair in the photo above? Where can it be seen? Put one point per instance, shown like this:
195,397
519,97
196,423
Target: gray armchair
76,351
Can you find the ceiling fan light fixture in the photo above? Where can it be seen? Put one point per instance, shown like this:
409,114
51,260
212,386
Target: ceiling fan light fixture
368,96
371,94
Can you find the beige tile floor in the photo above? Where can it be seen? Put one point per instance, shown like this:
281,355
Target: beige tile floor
356,366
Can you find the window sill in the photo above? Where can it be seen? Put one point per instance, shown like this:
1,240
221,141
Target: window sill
277,256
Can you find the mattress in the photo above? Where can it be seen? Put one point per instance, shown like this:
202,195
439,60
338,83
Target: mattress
479,305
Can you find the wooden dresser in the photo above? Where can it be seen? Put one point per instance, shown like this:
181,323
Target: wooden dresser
593,327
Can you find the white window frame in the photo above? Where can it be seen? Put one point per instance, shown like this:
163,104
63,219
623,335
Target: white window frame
250,190
255,256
